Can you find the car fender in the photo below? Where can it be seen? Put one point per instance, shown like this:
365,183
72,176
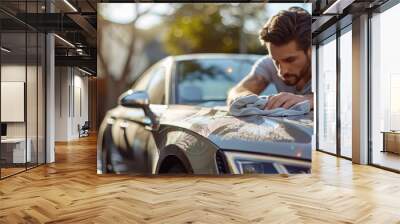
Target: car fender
197,150
173,150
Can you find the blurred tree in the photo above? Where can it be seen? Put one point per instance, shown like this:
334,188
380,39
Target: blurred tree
213,28
189,28
118,52
201,32
250,17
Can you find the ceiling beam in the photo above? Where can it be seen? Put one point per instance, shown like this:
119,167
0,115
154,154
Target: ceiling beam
82,61
337,7
84,24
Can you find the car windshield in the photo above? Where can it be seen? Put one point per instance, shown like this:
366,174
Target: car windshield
207,81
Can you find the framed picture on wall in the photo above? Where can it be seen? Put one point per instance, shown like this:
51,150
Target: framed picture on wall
12,101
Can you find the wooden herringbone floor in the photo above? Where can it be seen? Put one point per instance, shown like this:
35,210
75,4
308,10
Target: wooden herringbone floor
69,191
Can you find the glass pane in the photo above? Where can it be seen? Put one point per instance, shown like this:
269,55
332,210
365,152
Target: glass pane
327,97
208,80
346,94
23,89
32,88
13,87
41,99
385,89
31,98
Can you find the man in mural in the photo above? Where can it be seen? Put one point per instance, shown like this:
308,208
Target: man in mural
287,37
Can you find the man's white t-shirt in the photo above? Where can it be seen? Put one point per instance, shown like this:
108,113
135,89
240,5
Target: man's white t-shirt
265,68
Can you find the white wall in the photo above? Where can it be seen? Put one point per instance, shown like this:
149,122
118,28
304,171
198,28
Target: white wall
79,115
61,103
71,94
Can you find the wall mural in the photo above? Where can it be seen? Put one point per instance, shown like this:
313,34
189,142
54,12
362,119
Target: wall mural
171,72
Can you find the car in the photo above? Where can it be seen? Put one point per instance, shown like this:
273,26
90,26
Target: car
174,121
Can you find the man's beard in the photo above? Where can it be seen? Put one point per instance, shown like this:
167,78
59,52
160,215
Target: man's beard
293,79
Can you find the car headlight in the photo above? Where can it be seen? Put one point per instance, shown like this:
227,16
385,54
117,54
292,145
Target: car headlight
247,163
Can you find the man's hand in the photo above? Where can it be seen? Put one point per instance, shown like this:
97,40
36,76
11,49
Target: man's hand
286,100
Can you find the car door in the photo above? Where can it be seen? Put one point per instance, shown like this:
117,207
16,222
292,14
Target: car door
136,143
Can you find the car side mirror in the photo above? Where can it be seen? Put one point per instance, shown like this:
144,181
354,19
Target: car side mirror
134,99
140,99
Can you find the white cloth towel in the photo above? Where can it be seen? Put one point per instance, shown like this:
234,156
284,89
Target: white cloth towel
254,105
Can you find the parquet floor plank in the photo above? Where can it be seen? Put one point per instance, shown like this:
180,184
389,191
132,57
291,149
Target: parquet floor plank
70,191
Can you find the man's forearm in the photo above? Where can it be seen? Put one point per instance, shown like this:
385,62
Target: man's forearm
251,84
236,92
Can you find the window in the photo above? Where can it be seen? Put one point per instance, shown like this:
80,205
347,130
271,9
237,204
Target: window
153,81
207,81
346,94
385,85
156,86
143,81
327,96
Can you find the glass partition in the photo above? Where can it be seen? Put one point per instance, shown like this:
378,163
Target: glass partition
13,94
31,98
41,96
22,88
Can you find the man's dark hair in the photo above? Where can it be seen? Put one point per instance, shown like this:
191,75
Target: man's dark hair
288,25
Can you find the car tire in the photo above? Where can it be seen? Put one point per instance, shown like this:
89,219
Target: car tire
172,165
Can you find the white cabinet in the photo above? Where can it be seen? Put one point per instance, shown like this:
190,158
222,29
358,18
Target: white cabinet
16,148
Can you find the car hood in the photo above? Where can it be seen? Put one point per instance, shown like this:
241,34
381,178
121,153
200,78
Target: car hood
280,136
